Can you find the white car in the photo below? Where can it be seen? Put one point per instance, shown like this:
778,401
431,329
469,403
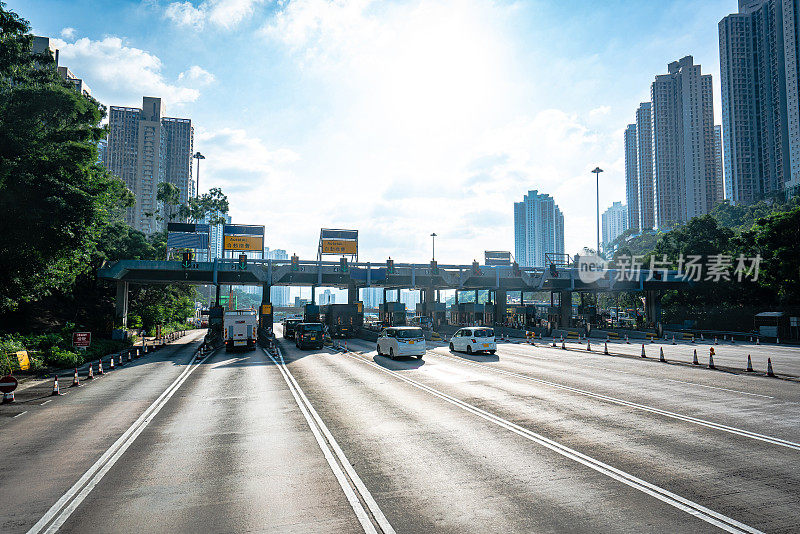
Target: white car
401,341
474,339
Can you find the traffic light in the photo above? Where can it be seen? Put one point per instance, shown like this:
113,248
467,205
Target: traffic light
343,265
476,270
390,266
186,262
515,268
434,267
553,270
242,262
295,263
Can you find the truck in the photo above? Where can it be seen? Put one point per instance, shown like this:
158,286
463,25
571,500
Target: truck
240,329
343,320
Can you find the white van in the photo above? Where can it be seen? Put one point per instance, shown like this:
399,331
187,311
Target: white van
474,339
401,341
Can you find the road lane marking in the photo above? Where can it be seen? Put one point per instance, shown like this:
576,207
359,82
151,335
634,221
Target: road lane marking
717,387
45,402
55,517
21,413
681,503
349,481
702,422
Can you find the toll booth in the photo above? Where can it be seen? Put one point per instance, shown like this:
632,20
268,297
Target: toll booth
521,316
436,311
343,320
215,319
311,314
470,313
393,314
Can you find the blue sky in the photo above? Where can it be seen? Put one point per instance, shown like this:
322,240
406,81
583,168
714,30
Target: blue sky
394,118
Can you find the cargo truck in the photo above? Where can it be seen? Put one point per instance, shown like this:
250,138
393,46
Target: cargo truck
240,330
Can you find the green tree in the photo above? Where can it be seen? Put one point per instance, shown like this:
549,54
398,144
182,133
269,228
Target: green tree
54,197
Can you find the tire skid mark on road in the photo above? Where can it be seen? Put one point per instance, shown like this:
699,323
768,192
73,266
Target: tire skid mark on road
673,415
58,514
681,503
352,485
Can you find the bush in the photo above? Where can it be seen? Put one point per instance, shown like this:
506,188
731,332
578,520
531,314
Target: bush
58,357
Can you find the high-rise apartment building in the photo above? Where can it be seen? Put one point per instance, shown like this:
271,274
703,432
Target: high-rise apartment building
632,175
758,48
42,44
644,161
145,149
684,165
279,295
615,222
538,229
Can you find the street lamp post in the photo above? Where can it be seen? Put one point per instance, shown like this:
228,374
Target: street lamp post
198,156
433,236
597,171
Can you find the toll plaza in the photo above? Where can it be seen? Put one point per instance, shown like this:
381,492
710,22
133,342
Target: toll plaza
311,313
561,281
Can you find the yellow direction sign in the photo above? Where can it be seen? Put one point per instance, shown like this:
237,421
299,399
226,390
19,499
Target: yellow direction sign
243,242
337,246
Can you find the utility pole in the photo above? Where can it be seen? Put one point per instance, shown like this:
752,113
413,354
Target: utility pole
433,236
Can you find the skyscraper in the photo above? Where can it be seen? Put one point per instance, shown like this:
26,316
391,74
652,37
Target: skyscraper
538,229
145,149
279,295
644,153
632,175
684,165
615,222
759,55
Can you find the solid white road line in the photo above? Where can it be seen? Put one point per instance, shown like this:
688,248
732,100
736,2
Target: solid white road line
329,447
21,413
52,520
701,512
702,422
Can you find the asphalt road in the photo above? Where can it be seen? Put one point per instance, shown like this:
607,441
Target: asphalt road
532,439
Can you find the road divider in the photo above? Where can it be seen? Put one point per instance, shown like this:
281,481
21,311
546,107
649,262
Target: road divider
358,496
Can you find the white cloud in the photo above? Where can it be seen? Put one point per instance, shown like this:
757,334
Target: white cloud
68,33
185,14
221,13
121,74
600,111
198,74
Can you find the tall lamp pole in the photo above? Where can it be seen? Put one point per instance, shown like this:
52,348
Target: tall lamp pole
433,236
597,171
198,156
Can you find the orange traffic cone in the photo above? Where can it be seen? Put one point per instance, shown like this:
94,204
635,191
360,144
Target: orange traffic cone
749,364
75,382
770,372
100,367
129,356
673,339
711,359
661,355
588,345
643,353
55,391
90,376
605,348
111,366
695,360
